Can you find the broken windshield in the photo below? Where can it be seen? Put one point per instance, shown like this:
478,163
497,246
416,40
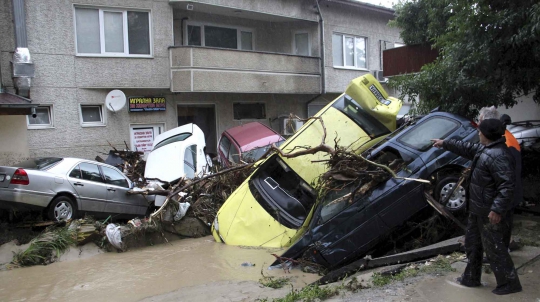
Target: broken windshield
355,112
282,193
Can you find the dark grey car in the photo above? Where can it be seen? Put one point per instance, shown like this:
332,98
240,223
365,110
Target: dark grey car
67,187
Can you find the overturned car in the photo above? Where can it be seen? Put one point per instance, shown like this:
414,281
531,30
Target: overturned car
344,229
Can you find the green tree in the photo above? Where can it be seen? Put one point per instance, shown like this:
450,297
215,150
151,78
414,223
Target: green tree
489,53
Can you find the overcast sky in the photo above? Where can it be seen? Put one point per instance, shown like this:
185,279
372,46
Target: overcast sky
385,3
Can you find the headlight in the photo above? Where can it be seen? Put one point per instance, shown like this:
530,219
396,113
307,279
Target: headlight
216,225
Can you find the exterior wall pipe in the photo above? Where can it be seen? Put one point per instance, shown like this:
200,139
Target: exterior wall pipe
323,64
23,67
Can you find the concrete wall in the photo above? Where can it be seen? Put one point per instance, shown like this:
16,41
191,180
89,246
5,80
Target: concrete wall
13,139
525,110
346,19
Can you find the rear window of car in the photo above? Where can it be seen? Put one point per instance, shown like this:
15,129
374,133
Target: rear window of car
421,135
173,139
42,163
364,120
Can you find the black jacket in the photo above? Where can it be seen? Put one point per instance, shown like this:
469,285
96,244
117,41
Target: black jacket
492,178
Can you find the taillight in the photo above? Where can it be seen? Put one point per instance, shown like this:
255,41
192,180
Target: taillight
20,178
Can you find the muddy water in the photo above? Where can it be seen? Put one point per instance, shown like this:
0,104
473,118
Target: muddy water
141,273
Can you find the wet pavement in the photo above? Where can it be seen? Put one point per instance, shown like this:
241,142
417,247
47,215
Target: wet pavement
146,272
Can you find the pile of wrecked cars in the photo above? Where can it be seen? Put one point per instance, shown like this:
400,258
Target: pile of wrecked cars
277,206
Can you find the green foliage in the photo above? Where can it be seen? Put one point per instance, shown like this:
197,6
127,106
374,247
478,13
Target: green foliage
45,248
380,280
274,282
310,293
489,53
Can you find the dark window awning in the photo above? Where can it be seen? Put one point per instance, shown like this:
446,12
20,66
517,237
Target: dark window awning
12,104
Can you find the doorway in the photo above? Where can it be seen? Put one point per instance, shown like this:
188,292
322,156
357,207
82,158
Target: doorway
203,116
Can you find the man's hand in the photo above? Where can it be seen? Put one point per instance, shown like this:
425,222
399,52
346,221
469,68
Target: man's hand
437,143
494,218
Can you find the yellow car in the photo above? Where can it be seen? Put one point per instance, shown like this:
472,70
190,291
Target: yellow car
273,205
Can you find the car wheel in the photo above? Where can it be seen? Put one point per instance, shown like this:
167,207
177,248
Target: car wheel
62,208
458,200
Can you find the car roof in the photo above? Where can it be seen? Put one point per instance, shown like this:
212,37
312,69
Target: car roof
252,135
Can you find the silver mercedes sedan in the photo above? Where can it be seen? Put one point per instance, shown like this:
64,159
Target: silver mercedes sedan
68,187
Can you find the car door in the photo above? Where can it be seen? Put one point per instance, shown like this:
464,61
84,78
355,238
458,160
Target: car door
87,181
117,199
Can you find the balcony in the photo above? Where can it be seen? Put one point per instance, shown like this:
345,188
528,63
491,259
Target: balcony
203,69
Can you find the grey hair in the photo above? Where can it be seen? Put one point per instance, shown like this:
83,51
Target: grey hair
488,112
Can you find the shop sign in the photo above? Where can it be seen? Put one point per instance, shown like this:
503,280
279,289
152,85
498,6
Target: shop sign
143,138
143,104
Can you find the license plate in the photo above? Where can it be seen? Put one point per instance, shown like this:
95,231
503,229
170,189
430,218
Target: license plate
2,177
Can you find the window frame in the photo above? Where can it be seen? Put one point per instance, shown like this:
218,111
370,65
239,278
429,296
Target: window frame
355,66
103,122
294,42
124,11
239,30
250,103
50,125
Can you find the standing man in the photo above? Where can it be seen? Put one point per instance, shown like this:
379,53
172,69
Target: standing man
491,189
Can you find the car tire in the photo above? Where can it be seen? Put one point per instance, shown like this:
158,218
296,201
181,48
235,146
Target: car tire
62,208
458,201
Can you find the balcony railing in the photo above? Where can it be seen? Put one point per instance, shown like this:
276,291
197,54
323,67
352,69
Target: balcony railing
201,69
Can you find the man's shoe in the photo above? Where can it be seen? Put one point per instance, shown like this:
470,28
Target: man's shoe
507,289
460,281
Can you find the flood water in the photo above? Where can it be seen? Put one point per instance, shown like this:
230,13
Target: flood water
141,273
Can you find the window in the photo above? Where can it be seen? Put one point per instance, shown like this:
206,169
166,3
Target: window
43,119
245,111
301,44
92,115
349,51
218,36
112,32
114,177
420,136
190,161
75,173
373,127
90,172
173,139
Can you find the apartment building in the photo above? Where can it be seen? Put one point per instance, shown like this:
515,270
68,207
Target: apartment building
217,63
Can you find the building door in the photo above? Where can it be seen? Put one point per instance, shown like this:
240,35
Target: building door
142,136
203,116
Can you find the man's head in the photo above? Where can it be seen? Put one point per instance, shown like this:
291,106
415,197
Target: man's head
488,113
490,130
505,119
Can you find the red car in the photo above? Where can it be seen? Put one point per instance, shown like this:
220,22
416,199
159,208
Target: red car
246,143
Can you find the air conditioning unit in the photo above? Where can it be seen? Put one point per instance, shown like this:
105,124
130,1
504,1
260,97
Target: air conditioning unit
378,74
289,126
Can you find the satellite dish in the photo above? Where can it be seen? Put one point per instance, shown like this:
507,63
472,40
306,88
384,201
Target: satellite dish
115,100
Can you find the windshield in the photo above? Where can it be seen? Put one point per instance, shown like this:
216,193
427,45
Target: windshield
42,163
254,155
173,139
355,112
282,193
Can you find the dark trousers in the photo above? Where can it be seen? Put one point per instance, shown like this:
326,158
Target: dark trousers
509,219
483,236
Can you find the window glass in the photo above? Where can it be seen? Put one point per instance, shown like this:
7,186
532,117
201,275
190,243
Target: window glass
246,39
173,139
220,37
354,111
114,177
301,41
420,136
249,111
337,50
90,172
194,35
138,29
234,154
87,23
349,51
190,161
360,51
75,173
91,114
224,146
114,31
43,117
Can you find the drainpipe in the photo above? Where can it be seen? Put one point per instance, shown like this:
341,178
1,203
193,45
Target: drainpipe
323,73
182,30
22,65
